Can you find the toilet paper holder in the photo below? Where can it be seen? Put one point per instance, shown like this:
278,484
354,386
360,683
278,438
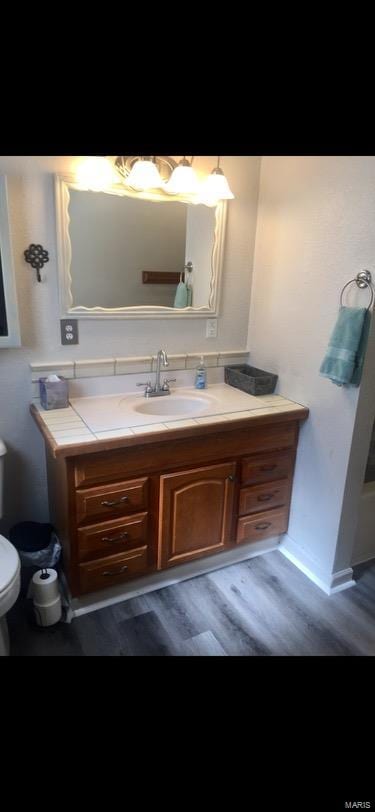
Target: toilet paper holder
46,597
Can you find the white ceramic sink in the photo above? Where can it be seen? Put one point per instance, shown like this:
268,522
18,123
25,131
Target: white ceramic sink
107,412
175,405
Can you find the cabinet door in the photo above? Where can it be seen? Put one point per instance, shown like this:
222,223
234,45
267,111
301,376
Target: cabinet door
196,512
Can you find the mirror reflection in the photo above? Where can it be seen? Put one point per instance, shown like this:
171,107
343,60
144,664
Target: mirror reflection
130,252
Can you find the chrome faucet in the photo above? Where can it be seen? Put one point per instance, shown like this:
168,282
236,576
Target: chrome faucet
161,357
157,390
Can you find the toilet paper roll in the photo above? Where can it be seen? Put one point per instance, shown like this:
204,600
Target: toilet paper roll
45,590
48,614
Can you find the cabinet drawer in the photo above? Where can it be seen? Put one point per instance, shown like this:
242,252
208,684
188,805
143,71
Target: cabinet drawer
114,569
111,500
262,497
262,526
266,467
108,538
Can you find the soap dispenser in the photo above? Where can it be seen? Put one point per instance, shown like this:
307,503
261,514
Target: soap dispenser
201,375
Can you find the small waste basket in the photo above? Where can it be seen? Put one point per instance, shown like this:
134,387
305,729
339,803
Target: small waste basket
38,547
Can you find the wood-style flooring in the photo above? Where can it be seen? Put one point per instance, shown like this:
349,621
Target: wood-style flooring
263,606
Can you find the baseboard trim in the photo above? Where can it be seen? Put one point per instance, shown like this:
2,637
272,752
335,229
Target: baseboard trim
330,583
157,580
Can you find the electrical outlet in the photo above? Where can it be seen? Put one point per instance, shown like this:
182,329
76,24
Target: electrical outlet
211,328
69,331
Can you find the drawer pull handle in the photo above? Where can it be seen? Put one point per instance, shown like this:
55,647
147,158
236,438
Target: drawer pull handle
262,526
115,538
118,502
265,497
115,572
268,467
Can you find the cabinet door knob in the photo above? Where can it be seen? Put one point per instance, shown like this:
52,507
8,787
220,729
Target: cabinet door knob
118,502
231,478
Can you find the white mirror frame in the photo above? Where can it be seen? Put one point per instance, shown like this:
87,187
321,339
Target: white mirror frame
63,184
13,339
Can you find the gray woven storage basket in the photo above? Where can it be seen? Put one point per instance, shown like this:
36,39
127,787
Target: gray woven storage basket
252,380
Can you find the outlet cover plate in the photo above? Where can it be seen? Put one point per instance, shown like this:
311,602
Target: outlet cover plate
211,328
69,331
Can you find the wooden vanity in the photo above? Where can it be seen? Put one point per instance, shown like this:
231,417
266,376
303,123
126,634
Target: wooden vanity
126,507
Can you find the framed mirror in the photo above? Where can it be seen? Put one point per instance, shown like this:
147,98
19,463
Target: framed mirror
127,254
9,321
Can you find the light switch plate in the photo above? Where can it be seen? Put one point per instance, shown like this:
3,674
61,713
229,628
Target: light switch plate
211,328
69,331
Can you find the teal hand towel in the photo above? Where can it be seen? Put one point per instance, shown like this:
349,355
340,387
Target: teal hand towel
347,346
360,355
181,296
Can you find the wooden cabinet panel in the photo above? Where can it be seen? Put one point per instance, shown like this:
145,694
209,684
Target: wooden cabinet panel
196,509
262,525
262,497
122,512
266,467
112,466
111,500
114,569
112,537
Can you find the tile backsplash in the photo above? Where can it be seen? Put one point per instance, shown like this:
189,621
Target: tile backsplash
130,365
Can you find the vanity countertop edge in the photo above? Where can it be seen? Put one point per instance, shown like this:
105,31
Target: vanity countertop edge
110,444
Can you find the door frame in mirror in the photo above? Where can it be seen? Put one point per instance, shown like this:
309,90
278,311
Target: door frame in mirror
63,184
13,339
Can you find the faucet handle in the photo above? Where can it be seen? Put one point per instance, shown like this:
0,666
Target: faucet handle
166,383
147,385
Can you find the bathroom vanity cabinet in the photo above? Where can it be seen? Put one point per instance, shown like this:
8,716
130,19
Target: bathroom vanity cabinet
125,508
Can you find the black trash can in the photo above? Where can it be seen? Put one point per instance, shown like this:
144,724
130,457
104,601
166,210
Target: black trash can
38,546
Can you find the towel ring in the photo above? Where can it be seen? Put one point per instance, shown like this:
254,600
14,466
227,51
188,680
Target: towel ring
362,280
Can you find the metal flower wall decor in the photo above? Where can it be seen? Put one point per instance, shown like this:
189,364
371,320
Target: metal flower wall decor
37,256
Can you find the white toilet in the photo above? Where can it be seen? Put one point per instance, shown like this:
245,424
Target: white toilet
10,571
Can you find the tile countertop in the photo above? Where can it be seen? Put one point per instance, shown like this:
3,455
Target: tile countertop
80,427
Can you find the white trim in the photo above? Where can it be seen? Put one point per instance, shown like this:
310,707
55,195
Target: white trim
343,579
158,580
63,183
13,339
330,583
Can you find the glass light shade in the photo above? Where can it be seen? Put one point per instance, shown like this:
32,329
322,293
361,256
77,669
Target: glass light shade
95,174
216,187
183,180
144,175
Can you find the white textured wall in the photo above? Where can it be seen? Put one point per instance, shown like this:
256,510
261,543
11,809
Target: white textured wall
315,232
32,219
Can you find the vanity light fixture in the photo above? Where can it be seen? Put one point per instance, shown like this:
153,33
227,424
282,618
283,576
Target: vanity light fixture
95,174
216,186
141,174
144,175
183,179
